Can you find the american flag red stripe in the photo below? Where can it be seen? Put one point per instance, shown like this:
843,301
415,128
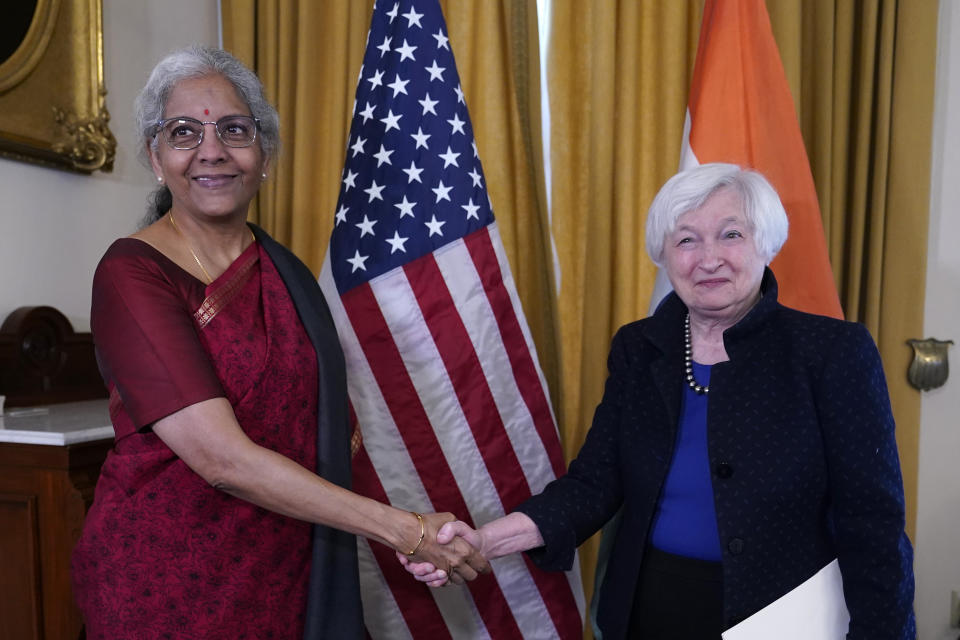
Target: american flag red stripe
525,370
469,382
401,397
442,372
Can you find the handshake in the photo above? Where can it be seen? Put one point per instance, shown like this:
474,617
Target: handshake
450,550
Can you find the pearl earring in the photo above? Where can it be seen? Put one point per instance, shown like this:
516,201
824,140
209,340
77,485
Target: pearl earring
160,179
263,176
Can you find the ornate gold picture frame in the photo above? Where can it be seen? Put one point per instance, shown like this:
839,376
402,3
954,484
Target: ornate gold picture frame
52,107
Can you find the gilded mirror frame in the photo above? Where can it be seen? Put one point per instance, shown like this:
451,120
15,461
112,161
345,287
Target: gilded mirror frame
52,93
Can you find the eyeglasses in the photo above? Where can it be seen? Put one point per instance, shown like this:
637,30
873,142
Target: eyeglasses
187,133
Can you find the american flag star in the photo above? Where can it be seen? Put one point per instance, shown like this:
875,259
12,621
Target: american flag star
421,127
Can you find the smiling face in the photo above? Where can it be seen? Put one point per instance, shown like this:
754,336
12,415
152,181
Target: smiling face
712,261
212,180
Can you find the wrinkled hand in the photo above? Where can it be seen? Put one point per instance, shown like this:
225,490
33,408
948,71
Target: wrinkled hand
455,534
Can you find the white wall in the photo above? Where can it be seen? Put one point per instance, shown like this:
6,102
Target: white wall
938,509
55,225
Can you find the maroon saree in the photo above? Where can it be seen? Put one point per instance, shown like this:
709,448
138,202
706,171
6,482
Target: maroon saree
164,554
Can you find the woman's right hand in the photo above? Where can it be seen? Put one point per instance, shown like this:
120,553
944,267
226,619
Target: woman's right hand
449,551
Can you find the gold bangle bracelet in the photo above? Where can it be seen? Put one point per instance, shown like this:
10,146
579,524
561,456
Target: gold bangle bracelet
422,532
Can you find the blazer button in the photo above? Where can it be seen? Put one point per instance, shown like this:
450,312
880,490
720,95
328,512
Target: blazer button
723,470
735,546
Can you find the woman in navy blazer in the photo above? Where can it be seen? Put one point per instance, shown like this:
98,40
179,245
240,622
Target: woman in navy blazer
748,444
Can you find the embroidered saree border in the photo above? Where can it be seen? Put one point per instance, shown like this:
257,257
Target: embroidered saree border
219,299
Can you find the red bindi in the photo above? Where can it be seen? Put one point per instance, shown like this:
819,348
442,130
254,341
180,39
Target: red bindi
206,112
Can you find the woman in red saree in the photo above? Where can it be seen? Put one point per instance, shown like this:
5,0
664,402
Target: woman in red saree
224,508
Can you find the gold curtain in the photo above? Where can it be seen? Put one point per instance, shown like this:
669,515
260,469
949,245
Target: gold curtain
308,55
862,75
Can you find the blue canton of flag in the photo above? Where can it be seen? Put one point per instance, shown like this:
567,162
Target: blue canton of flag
412,179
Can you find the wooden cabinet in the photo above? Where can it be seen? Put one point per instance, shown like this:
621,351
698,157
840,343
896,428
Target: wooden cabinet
54,436
45,491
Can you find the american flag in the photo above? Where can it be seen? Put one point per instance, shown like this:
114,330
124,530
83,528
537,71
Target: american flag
442,373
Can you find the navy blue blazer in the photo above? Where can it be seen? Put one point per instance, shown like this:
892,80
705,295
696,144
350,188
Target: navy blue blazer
801,446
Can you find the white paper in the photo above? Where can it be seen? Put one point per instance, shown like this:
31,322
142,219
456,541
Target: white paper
815,609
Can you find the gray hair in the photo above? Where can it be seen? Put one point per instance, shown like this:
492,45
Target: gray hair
689,190
193,62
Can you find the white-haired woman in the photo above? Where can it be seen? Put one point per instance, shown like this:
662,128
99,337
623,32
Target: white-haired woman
224,509
747,443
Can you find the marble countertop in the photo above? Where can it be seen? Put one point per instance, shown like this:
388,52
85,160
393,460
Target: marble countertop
57,424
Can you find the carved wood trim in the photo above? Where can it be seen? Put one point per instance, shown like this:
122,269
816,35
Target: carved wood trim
43,361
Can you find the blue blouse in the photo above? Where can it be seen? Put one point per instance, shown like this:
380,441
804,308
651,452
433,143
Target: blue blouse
685,522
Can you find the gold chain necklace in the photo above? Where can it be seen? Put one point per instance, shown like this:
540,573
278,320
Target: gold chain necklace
189,248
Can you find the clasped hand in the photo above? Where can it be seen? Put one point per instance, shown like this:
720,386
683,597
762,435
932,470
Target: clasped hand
451,551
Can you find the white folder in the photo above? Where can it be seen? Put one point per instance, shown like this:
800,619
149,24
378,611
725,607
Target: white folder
815,609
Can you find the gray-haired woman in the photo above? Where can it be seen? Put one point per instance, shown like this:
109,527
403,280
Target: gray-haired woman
747,443
224,509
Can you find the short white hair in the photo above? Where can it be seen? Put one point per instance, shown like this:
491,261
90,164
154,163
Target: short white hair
689,190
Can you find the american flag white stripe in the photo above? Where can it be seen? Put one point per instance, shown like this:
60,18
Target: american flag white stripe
380,609
511,289
420,613
471,388
479,318
437,395
490,259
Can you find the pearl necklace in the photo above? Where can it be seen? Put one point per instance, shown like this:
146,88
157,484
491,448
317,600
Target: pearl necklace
688,360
